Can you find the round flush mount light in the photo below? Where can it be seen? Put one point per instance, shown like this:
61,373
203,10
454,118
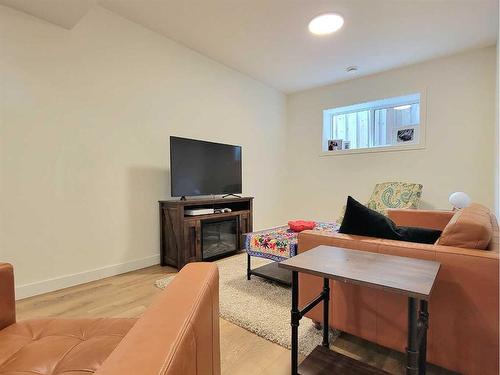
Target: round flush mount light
326,23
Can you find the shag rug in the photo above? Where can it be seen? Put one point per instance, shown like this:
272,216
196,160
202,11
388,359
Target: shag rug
259,306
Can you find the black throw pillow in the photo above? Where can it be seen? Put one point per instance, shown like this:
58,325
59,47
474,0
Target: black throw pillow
420,235
363,221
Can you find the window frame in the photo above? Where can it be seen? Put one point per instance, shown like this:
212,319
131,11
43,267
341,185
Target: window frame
421,144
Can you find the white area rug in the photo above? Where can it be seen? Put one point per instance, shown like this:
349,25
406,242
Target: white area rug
259,306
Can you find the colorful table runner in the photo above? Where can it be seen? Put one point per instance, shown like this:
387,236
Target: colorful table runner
279,243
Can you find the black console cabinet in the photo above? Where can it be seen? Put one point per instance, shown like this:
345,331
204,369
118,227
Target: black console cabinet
182,236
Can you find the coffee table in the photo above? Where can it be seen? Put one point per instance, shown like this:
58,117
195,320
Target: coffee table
411,277
276,244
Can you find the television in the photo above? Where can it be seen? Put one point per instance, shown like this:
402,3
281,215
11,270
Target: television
204,168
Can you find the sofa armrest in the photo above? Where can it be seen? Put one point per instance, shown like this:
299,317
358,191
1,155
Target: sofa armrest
432,219
7,296
178,333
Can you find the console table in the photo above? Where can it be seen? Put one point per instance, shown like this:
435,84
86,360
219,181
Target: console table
184,238
413,278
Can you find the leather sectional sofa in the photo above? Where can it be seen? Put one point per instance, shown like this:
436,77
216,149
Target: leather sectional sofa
463,309
177,334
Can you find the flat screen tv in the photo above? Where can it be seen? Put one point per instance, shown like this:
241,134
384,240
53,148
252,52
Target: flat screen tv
204,168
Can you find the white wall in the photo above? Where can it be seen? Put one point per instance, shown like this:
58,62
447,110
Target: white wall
496,165
460,137
86,119
86,115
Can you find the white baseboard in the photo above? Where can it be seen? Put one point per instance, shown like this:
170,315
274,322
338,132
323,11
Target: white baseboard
50,285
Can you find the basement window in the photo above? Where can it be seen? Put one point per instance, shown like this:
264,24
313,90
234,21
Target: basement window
380,125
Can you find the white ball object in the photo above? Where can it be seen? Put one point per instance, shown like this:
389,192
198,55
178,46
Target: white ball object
459,199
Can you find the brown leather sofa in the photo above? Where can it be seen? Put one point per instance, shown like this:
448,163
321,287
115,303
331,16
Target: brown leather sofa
177,335
463,309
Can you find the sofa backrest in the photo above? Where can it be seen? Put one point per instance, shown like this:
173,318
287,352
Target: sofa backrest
469,228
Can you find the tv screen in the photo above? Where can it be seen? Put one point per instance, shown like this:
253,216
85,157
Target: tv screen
204,168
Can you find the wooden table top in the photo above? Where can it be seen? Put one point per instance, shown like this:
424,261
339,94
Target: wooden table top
408,276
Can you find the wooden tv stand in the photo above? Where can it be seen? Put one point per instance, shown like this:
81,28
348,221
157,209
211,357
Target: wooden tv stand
181,236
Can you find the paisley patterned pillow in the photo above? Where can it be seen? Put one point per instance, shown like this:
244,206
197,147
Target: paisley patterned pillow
392,195
395,195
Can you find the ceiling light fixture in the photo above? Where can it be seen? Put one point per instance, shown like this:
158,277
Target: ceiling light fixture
402,107
326,23
351,69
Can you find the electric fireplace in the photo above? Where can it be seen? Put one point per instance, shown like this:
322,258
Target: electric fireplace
219,237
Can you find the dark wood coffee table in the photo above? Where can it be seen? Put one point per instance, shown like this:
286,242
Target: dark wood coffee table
411,277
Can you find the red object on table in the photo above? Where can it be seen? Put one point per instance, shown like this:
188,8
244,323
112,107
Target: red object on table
300,225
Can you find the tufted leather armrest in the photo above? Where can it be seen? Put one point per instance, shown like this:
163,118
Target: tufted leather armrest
7,298
178,333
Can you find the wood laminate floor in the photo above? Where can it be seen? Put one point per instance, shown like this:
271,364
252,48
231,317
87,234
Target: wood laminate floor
242,352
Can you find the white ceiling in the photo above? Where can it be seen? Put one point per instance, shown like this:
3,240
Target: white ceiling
269,40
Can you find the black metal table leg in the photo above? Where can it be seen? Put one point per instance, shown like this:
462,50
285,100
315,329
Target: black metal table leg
423,320
326,299
295,318
412,348
248,267
297,314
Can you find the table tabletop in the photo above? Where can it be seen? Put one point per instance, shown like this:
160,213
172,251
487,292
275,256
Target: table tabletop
409,276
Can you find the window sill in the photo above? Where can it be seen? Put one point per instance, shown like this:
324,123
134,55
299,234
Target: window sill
371,150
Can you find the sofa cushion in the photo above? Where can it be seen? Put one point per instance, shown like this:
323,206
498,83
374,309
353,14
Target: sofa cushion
363,221
59,346
469,228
